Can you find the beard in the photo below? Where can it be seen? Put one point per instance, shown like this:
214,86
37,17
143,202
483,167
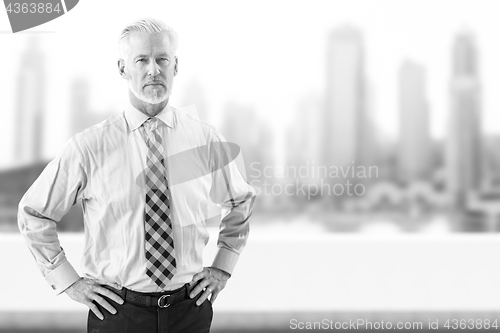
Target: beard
155,96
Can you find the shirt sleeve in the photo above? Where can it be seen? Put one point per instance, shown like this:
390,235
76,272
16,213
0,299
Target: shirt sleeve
236,198
59,186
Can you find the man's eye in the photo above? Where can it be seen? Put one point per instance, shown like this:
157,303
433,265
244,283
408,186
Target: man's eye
139,60
163,59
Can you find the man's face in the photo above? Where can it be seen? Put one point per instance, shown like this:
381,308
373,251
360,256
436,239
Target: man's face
150,66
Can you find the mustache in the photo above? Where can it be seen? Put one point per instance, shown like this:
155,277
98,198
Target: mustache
155,81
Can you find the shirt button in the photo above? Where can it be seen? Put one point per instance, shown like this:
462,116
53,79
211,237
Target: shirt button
53,287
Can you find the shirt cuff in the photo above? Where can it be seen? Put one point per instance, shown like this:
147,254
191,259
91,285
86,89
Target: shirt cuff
225,260
62,277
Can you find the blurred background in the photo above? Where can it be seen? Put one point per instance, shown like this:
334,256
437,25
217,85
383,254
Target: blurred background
370,130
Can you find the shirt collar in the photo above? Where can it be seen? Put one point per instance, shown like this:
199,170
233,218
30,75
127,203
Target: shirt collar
136,118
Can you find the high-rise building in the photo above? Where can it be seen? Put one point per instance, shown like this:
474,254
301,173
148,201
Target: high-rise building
464,144
79,104
346,125
414,151
30,105
243,127
304,135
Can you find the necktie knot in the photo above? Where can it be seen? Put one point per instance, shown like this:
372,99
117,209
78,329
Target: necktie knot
151,124
151,134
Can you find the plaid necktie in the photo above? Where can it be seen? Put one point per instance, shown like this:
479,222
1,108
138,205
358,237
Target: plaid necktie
159,244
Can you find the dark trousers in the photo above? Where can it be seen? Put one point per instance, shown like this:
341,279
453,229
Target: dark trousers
184,316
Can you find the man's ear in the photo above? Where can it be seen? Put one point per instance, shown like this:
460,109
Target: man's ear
176,66
121,69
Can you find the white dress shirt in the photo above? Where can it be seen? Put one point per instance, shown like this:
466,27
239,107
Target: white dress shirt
104,167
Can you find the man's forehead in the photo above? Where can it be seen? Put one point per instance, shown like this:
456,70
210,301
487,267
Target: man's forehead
143,41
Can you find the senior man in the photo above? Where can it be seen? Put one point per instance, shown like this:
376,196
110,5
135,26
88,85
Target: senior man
145,178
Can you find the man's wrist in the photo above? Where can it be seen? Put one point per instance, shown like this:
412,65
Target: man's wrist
221,274
65,290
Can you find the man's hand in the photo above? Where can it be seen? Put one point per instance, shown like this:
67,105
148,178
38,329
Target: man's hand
210,280
86,290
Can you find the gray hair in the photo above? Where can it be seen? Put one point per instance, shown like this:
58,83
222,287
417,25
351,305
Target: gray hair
150,26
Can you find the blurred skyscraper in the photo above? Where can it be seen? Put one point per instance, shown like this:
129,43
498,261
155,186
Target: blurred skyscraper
464,144
346,126
303,136
414,160
28,141
492,160
30,105
80,96
243,126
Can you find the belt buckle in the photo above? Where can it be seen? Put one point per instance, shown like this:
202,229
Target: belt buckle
166,305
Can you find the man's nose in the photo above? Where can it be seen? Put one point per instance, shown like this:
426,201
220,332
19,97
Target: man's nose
153,68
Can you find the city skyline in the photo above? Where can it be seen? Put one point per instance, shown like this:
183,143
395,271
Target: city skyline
200,96
249,65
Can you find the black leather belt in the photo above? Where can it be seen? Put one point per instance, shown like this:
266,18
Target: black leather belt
161,299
